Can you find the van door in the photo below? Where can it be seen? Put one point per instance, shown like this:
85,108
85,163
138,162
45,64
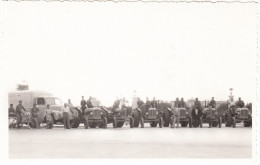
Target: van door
41,105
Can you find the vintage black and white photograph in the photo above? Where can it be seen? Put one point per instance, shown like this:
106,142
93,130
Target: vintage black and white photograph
112,80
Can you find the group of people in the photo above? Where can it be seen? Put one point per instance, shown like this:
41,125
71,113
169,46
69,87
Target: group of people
35,113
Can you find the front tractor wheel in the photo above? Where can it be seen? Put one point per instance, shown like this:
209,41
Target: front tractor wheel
184,124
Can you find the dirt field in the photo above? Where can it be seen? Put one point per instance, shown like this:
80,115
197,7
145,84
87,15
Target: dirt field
131,143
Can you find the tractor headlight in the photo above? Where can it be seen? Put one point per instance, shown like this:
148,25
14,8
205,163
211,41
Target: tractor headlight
146,113
91,113
156,113
187,113
238,112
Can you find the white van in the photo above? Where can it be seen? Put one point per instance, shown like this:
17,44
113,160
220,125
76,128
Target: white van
40,98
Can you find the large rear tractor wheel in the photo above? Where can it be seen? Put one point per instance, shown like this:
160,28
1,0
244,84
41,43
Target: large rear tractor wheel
160,122
105,122
166,118
234,122
114,122
136,120
228,121
86,124
220,122
131,122
142,122
74,123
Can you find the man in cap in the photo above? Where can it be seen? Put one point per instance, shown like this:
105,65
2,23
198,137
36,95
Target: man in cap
196,113
65,113
34,115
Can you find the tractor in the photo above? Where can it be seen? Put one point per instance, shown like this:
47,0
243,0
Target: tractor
211,116
235,115
94,117
184,117
151,116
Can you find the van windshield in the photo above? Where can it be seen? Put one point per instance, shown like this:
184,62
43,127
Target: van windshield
57,101
50,101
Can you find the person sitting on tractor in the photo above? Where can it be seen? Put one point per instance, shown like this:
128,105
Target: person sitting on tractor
154,103
177,103
212,103
123,102
147,104
19,110
116,104
139,102
34,115
240,103
11,111
182,103
89,103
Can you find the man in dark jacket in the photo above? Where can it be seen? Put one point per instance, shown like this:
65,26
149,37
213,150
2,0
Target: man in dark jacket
89,103
139,102
196,113
34,115
19,110
240,103
212,103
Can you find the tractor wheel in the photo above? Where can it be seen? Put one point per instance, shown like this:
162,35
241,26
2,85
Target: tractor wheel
131,122
153,124
114,122
190,122
200,122
220,122
74,123
120,124
228,121
166,118
214,123
105,122
136,120
246,124
234,123
93,125
142,122
184,124
171,122
160,122
86,124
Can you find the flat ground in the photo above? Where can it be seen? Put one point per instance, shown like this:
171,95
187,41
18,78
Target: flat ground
131,143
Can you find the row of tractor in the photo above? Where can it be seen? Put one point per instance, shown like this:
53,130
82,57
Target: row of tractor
101,117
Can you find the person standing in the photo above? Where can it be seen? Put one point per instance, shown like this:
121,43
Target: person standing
182,103
49,118
176,117
19,111
34,115
177,103
83,104
65,113
154,103
212,103
11,111
196,113
89,103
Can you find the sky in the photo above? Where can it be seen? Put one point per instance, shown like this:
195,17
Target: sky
109,50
